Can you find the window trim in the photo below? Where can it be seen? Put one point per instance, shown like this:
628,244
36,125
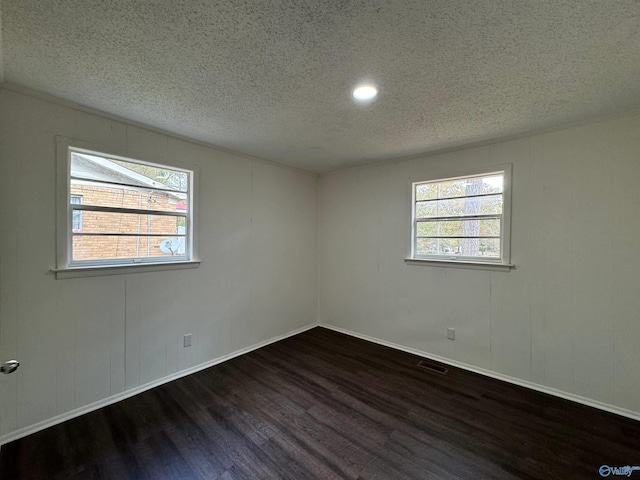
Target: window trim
490,263
65,267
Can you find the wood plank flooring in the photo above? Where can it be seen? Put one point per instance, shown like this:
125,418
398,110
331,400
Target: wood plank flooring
327,406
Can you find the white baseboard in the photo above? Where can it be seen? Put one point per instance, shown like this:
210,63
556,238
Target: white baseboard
23,432
489,373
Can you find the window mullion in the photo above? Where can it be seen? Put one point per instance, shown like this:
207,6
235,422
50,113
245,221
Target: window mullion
479,195
139,211
454,236
491,216
141,235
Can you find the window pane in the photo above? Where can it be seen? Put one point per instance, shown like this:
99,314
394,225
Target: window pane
76,220
129,223
93,167
173,179
489,247
426,209
458,207
438,246
486,227
460,187
111,247
126,197
463,247
426,191
493,184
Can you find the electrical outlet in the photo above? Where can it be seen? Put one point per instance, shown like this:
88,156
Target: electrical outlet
451,333
186,340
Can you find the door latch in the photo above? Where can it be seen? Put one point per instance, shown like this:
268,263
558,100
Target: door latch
9,366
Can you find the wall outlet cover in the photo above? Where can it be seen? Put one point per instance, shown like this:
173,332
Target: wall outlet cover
451,333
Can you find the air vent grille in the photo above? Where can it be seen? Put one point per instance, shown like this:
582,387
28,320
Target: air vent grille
433,367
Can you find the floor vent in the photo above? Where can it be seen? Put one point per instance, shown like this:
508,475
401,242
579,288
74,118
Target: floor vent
433,367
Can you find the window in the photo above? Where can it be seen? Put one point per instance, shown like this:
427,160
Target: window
122,212
462,219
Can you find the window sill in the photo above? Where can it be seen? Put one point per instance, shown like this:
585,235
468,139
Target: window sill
78,272
500,267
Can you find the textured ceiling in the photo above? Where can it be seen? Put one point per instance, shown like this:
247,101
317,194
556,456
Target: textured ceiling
273,78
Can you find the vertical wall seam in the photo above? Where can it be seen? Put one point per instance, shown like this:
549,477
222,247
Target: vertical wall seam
75,362
543,244
251,206
125,333
17,350
111,354
574,295
531,281
318,180
613,276
491,321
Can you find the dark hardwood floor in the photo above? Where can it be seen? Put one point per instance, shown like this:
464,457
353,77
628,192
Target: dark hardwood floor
328,406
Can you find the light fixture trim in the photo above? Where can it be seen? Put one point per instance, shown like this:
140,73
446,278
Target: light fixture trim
365,92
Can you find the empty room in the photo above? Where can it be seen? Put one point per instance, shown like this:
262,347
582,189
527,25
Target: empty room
319,239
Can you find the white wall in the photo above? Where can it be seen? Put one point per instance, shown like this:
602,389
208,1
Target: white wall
83,340
568,316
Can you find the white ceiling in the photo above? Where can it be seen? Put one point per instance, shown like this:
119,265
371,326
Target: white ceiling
273,78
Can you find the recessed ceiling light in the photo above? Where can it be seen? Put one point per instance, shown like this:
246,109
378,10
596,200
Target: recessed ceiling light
365,92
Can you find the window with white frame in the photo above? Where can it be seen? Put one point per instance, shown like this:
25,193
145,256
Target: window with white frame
120,211
462,218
